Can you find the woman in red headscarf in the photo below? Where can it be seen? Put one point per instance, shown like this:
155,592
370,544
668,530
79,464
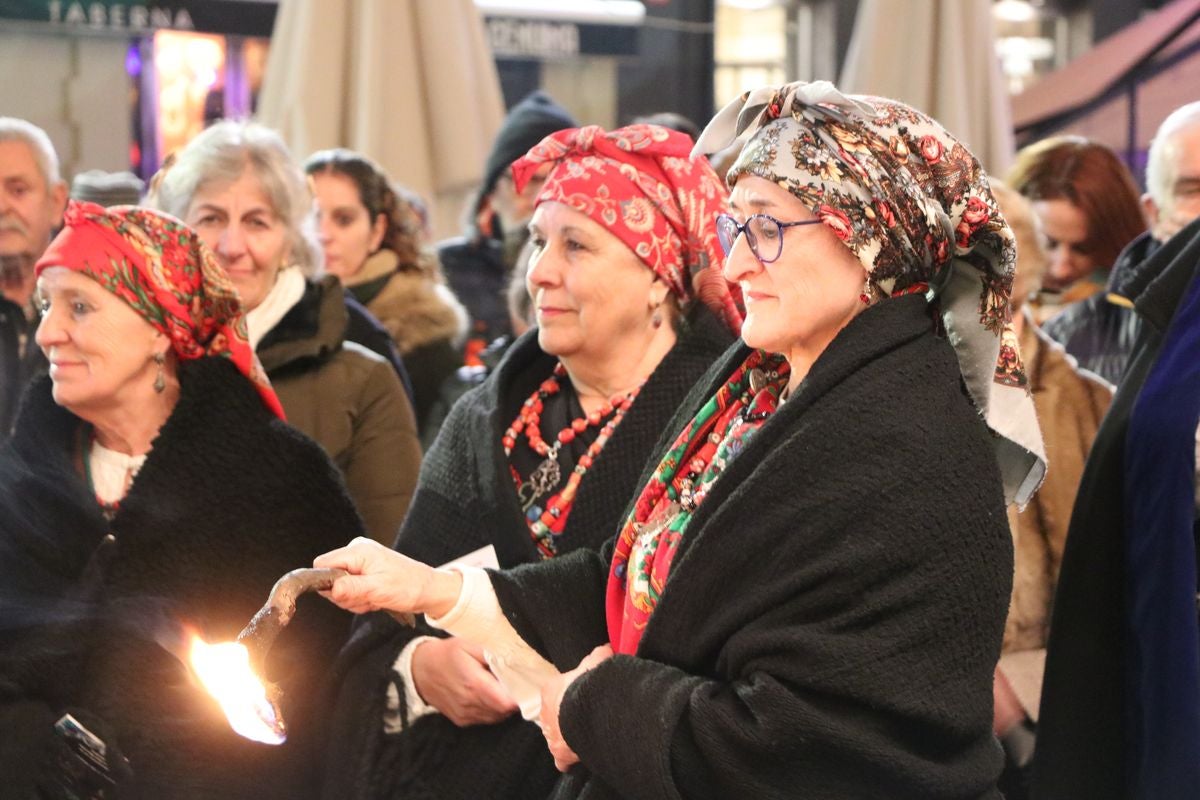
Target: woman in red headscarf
539,460
152,492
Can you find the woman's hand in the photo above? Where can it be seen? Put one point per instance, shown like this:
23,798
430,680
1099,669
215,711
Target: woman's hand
552,695
382,579
452,676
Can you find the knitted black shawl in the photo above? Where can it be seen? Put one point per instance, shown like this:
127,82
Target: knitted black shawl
465,500
228,500
835,609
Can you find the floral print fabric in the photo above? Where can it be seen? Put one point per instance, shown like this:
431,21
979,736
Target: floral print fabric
159,267
913,204
649,538
642,185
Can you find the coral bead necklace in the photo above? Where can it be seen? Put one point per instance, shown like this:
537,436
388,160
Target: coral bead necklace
547,523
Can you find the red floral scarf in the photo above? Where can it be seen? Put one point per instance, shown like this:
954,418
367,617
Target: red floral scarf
158,266
650,537
641,183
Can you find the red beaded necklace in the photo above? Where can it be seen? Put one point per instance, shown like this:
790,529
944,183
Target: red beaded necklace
544,527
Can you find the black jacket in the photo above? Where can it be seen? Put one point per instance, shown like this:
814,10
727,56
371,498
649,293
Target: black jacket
1081,725
228,500
477,273
835,608
465,499
1100,332
18,366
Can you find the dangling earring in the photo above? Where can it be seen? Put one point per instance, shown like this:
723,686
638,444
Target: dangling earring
865,297
656,319
160,380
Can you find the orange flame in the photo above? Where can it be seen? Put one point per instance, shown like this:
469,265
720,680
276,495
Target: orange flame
225,671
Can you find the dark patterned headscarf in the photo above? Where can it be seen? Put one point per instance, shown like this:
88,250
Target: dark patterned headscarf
914,205
159,267
642,185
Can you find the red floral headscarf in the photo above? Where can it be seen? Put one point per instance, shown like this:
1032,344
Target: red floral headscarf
641,183
159,267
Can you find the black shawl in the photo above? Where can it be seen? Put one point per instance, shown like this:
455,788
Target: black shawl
228,500
835,609
465,500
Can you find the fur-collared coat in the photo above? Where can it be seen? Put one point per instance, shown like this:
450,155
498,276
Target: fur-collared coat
423,317
466,500
228,500
834,611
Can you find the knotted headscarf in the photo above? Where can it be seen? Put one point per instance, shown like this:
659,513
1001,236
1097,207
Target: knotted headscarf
159,267
914,206
641,183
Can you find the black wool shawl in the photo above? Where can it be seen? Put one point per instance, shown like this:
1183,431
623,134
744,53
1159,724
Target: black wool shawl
835,610
228,500
465,500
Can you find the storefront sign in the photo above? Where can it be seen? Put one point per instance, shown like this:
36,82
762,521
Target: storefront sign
547,39
87,16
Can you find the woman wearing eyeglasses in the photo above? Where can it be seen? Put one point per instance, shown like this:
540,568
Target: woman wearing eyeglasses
807,594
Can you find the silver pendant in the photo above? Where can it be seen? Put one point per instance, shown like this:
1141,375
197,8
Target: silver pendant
541,481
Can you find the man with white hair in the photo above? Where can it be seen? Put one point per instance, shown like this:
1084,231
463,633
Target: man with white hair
1101,330
33,197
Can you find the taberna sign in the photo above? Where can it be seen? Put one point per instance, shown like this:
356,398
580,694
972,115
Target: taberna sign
118,16
135,17
548,30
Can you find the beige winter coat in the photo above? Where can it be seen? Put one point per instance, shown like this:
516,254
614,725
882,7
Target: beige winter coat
1070,405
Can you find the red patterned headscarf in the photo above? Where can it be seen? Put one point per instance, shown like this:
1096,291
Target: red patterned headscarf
641,183
159,267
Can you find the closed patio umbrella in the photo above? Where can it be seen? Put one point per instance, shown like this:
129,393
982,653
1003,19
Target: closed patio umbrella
410,83
938,56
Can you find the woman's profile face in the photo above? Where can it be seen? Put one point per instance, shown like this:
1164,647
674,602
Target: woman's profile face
809,293
348,234
238,223
591,294
1066,229
100,350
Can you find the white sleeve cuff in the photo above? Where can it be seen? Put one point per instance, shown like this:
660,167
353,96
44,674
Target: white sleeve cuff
477,617
414,705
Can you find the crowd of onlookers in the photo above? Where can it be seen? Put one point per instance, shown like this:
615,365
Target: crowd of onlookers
318,280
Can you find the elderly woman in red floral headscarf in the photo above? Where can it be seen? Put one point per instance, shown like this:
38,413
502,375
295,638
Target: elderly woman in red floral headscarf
151,493
807,594
539,461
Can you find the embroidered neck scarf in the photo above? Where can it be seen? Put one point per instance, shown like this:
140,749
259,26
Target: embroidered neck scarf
649,538
159,267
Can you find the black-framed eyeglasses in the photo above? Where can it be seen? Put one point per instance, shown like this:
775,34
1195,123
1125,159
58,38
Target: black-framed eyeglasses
763,232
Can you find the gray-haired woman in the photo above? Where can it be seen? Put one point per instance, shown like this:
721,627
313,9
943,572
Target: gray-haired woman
237,185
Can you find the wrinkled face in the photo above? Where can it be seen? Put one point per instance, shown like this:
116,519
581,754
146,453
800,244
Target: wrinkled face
1183,205
101,351
516,208
799,302
348,234
30,210
1066,230
239,224
592,296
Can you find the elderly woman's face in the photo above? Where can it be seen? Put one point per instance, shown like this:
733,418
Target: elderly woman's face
348,234
592,297
238,223
101,351
800,301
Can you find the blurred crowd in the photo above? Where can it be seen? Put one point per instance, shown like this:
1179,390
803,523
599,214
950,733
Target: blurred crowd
215,376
